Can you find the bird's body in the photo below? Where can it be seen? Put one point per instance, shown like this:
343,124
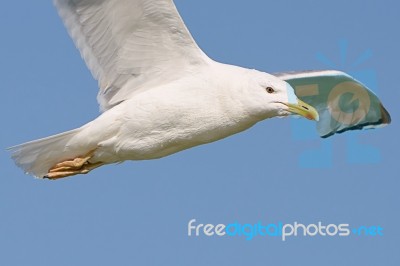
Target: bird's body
169,118
172,117
159,92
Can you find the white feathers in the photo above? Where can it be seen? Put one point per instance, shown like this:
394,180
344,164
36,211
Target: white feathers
36,157
185,99
127,43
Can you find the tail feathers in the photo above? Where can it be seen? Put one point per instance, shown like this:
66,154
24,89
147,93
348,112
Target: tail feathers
38,156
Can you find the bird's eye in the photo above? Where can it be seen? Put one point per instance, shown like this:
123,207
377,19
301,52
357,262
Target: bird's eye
270,90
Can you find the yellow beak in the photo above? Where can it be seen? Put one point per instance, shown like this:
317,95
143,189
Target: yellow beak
303,109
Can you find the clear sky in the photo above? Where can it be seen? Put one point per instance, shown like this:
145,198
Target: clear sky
137,213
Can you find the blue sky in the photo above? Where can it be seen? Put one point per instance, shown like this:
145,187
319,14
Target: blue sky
137,213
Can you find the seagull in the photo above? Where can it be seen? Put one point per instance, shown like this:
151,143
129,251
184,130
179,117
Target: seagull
159,93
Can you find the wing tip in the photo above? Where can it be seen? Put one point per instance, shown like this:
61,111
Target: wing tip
385,117
384,120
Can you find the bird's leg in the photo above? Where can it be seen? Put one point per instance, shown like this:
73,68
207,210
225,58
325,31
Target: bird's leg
79,165
72,164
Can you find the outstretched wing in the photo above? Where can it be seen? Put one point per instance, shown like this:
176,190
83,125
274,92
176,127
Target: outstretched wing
129,44
343,103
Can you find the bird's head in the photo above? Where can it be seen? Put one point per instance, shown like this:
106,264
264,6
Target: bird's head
273,97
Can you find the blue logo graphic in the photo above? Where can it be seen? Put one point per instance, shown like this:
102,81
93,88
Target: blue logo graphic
321,155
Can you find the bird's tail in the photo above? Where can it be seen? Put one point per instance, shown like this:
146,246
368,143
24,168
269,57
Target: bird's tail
38,156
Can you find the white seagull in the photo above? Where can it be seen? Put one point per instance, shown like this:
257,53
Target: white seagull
161,94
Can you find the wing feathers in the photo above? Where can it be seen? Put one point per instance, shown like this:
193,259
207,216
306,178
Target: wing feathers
129,42
343,103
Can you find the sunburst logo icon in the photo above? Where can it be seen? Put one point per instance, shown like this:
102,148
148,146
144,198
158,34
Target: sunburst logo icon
323,153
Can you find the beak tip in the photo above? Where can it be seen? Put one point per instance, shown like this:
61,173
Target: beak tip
315,117
305,110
